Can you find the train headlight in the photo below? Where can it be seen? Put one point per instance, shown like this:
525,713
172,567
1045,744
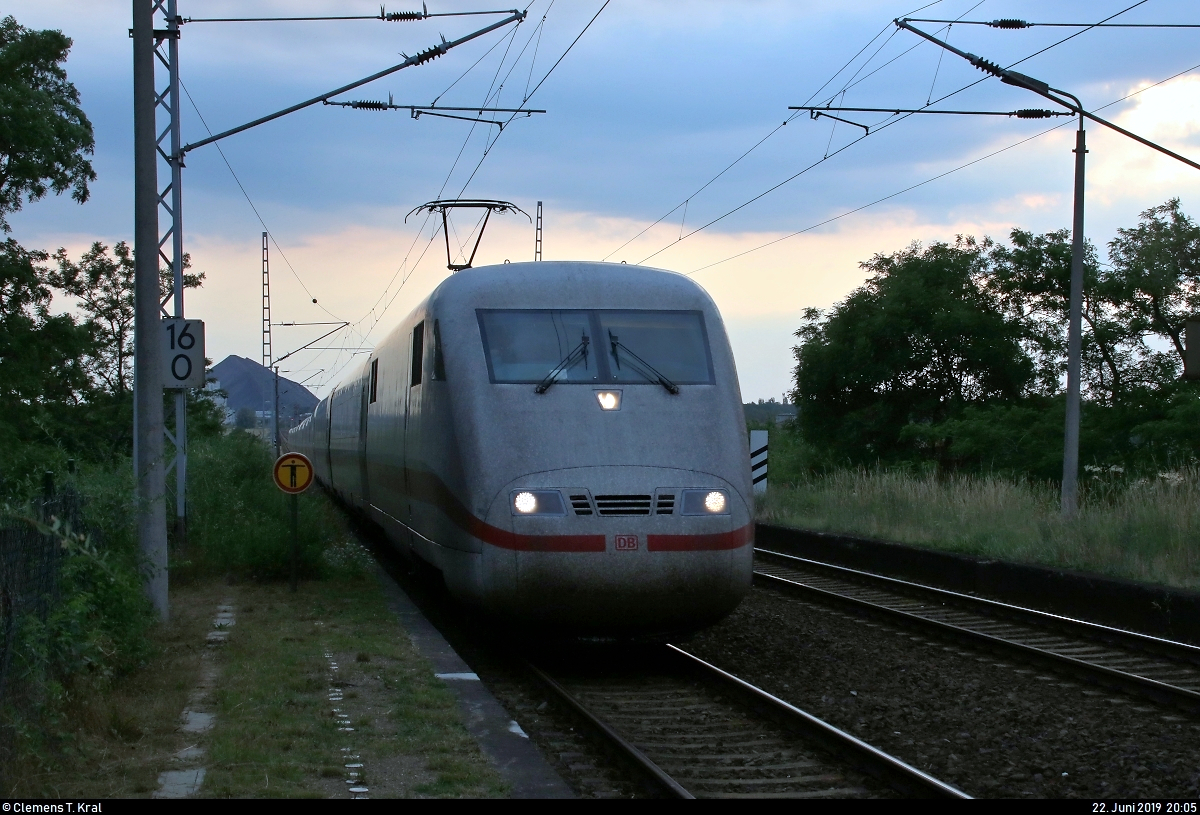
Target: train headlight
537,502
705,502
609,400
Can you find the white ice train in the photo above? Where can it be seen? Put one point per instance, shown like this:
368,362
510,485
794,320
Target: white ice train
565,442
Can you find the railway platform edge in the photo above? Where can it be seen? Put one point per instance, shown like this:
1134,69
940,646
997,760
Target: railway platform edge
515,757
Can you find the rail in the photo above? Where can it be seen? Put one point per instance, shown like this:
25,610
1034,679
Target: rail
697,731
1163,670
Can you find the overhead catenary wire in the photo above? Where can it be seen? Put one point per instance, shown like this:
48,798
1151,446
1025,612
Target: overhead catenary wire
772,132
938,69
492,88
934,178
385,16
487,98
376,313
354,327
853,80
1021,113
403,263
254,208
1084,31
873,130
404,268
1011,23
488,149
491,144
421,58
519,17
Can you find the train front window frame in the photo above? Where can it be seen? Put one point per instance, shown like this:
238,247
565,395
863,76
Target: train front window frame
673,341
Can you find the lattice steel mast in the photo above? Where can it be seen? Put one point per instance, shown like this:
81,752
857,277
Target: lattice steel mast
266,303
170,244
537,234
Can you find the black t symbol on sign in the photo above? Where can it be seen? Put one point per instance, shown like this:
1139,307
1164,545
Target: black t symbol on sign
293,466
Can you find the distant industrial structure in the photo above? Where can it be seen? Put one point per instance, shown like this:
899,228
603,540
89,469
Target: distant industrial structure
769,411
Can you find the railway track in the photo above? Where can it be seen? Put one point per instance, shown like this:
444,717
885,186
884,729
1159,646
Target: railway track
699,732
1165,671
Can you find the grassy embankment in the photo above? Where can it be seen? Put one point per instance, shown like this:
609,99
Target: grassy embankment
1145,529
110,733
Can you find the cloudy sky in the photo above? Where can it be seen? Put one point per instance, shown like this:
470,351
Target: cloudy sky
653,102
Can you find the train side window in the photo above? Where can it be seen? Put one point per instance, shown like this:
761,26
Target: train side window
439,363
418,351
374,379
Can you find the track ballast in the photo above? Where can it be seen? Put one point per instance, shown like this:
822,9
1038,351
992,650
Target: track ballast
1165,671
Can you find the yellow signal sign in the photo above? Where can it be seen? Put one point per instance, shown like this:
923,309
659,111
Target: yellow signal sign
293,473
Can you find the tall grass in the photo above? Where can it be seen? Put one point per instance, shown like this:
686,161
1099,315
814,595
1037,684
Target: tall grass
100,628
239,522
1146,529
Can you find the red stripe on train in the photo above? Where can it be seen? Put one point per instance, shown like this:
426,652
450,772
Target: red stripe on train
537,543
701,543
426,486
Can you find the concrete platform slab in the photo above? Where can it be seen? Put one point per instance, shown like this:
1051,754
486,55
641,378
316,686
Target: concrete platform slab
179,783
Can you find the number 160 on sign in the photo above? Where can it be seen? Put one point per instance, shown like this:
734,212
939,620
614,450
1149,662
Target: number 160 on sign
183,353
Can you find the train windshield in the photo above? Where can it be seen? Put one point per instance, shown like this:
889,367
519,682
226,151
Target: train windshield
525,346
670,343
623,346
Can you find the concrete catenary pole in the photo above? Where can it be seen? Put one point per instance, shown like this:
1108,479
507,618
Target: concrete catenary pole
148,423
176,163
1070,480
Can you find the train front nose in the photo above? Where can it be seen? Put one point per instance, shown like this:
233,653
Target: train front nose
622,550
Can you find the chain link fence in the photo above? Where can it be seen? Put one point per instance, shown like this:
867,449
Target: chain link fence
30,566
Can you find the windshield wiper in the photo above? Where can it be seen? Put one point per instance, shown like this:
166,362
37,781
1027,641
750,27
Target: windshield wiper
568,362
640,365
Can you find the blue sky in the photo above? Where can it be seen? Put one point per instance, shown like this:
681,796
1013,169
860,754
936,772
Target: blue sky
653,101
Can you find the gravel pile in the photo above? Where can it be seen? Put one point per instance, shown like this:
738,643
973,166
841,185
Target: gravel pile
991,727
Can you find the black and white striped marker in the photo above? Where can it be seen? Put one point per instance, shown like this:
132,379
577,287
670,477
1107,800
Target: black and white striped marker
758,460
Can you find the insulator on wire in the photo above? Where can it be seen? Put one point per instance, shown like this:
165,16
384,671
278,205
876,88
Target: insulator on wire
428,54
368,104
403,16
1010,22
1035,113
984,65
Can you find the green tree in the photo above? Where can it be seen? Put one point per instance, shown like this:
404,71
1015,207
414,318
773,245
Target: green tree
103,288
44,134
927,361
1155,278
40,353
922,340
1032,277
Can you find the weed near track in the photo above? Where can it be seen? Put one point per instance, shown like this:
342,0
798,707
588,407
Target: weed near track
1147,529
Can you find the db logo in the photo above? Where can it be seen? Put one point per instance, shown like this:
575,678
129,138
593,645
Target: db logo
627,543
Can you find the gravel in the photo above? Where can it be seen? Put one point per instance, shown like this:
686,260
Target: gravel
991,727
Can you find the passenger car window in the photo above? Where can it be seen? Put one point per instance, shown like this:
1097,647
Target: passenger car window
418,351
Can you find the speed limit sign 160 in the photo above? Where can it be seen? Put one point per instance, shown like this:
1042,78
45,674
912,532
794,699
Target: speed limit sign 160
183,353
